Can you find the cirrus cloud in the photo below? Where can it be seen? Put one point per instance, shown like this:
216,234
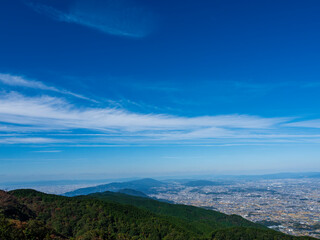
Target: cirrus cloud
57,113
19,81
114,17
44,119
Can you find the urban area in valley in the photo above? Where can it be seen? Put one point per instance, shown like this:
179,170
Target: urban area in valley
288,205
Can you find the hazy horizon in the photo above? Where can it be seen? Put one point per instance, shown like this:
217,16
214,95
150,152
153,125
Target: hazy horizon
87,178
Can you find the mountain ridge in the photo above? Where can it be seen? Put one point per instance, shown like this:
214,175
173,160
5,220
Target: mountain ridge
144,185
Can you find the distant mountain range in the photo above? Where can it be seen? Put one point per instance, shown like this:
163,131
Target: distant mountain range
28,214
62,186
148,185
145,186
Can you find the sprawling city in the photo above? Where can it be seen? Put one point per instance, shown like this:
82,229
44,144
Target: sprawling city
288,205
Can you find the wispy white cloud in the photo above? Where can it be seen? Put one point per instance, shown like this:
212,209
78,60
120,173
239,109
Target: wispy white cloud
54,120
13,80
315,123
45,115
48,151
19,81
115,17
28,140
57,113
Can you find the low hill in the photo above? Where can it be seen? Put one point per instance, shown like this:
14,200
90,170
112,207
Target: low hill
145,185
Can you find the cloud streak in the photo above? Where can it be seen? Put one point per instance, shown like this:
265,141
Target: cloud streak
315,123
19,81
114,17
28,140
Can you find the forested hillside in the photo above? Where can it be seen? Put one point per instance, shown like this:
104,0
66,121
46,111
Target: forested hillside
32,215
202,220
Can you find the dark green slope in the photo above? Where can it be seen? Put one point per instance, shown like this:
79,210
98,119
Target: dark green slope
11,208
110,216
18,222
96,219
203,220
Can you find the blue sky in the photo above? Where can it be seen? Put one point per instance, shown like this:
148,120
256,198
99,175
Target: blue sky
101,89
